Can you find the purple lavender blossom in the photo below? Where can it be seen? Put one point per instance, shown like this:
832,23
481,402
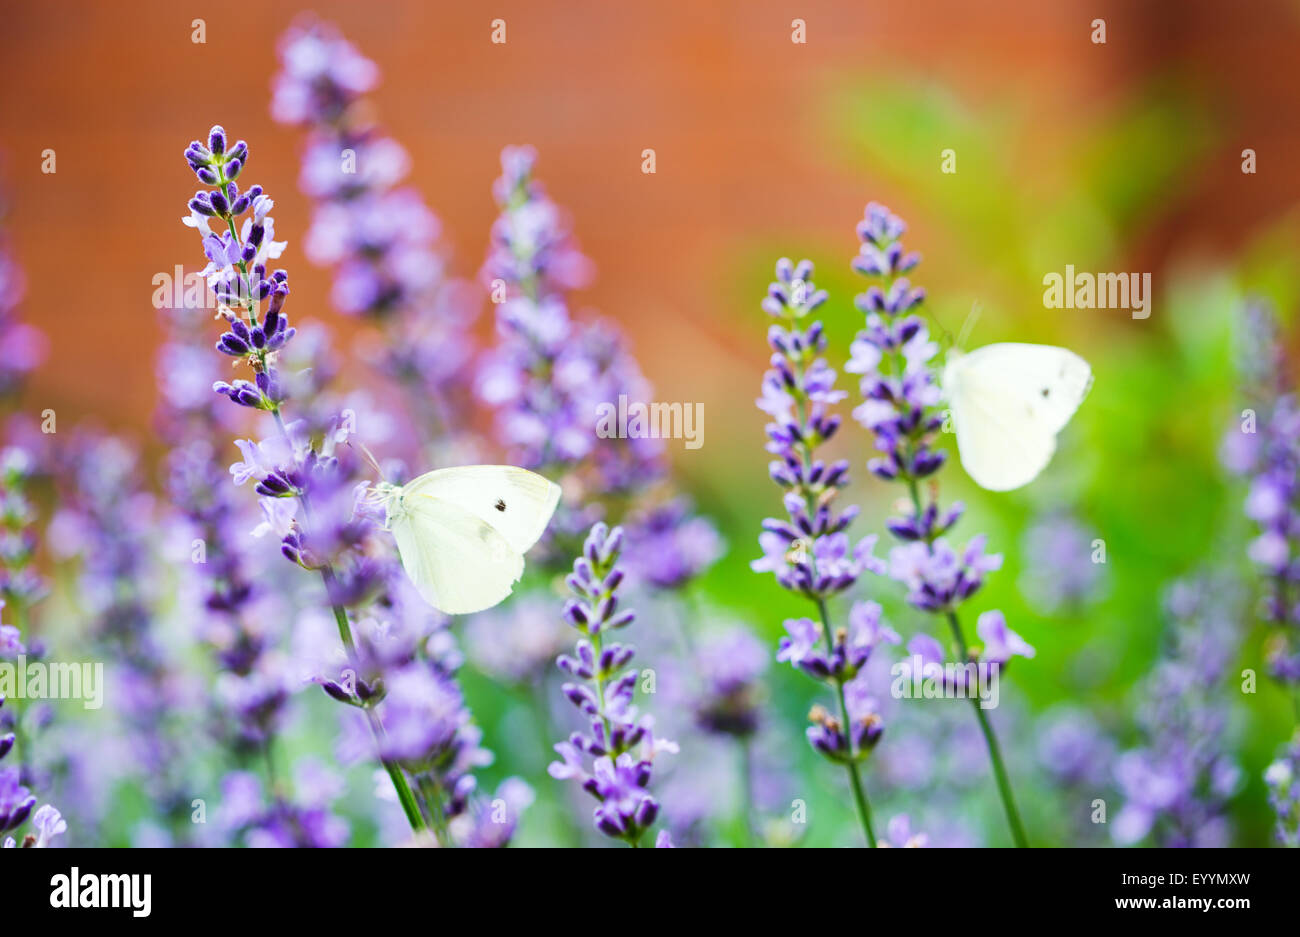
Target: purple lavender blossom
231,605
1176,786
516,643
377,236
810,552
24,346
902,836
669,545
1073,748
49,823
11,639
402,673
532,250
1282,778
305,474
424,718
902,409
21,586
1265,449
1059,571
548,374
17,802
614,758
109,523
429,732
246,816
730,666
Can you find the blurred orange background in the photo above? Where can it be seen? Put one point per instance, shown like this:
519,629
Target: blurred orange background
747,156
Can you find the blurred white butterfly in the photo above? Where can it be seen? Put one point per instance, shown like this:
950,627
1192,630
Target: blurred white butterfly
1008,403
462,532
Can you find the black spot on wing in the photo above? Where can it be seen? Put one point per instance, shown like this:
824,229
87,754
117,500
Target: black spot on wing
500,505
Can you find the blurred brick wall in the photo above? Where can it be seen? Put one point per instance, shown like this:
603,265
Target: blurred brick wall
717,88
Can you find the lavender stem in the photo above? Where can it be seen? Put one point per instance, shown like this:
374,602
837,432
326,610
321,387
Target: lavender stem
855,778
990,739
995,752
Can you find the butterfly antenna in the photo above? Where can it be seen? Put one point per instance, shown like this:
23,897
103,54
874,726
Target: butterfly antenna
969,325
942,328
370,458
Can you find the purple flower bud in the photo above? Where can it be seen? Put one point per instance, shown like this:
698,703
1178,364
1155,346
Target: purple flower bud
242,393
336,691
232,345
576,613
646,812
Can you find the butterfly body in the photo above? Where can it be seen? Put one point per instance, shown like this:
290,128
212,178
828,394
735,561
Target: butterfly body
1008,402
462,532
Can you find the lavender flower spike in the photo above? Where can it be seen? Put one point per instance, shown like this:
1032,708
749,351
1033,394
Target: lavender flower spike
620,744
809,550
1265,449
901,407
309,496
1283,780
17,803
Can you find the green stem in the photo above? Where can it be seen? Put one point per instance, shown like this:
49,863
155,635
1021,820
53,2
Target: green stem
747,789
404,794
855,779
409,804
21,742
995,752
433,799
986,727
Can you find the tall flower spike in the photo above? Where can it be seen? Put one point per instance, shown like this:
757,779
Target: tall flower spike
24,346
614,758
373,231
17,803
1177,784
1283,780
110,522
253,689
314,503
901,407
1265,450
549,373
20,588
308,493
809,550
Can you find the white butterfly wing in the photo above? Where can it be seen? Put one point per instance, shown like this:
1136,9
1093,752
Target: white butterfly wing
1008,403
515,502
458,563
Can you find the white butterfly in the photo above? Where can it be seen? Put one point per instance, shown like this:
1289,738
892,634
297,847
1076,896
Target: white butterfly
462,532
1008,403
